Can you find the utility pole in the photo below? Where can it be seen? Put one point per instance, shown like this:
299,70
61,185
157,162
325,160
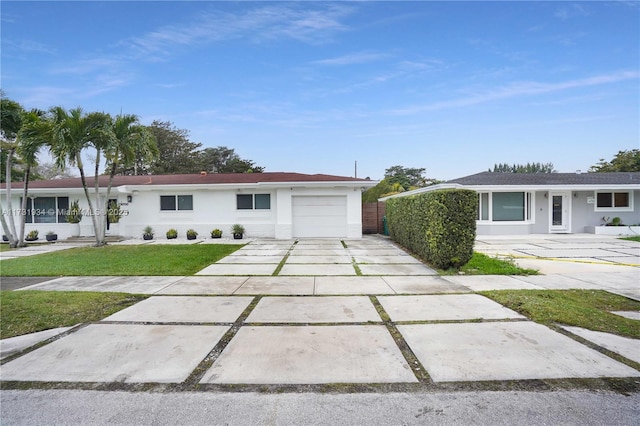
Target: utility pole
356,169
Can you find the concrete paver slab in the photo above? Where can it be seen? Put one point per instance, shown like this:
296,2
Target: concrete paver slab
127,353
491,282
625,346
314,310
319,242
238,269
321,252
205,285
258,253
319,259
627,279
319,269
569,266
425,284
626,260
567,253
384,260
133,284
332,246
635,315
352,285
16,344
556,282
382,251
184,309
143,285
277,286
505,351
444,307
249,259
311,354
396,269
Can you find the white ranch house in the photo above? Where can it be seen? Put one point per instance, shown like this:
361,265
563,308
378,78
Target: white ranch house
547,203
269,205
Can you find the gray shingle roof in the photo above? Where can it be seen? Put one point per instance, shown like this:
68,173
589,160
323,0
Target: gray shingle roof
493,178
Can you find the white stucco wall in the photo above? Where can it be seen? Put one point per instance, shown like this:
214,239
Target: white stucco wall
212,208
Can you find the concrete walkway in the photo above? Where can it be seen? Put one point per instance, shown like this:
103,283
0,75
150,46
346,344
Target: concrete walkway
322,312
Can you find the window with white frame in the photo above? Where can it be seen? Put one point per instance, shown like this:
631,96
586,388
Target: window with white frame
46,209
253,201
614,201
504,206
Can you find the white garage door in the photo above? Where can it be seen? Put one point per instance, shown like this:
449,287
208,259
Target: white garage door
319,217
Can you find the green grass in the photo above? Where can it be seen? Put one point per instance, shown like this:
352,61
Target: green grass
481,264
5,247
185,259
634,238
589,309
27,311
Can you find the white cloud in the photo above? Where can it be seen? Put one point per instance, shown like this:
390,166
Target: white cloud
302,23
352,58
527,88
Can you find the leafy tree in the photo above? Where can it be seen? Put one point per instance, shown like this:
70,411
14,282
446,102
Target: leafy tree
176,154
225,160
408,178
623,161
382,189
48,171
521,168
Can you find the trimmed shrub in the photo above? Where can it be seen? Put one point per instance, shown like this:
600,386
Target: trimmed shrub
438,226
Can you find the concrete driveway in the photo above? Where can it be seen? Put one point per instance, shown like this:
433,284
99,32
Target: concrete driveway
322,312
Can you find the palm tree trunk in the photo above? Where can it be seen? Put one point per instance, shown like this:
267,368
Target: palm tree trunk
100,210
23,207
88,197
11,231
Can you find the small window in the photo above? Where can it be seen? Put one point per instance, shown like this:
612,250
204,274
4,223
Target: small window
185,202
244,201
614,201
253,201
176,202
263,201
167,202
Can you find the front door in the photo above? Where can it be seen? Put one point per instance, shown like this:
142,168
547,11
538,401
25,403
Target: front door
559,212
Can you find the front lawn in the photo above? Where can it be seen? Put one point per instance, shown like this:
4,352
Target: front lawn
633,238
481,264
23,312
588,309
180,259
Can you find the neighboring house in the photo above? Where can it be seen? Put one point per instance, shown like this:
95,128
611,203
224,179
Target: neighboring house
541,203
269,205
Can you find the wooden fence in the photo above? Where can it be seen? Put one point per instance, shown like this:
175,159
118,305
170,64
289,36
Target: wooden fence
372,214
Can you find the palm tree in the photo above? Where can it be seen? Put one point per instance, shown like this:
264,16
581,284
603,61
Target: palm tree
132,142
33,135
74,131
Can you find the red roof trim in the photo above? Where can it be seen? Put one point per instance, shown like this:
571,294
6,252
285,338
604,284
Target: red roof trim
190,179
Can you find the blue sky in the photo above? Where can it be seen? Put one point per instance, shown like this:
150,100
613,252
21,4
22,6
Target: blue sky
312,87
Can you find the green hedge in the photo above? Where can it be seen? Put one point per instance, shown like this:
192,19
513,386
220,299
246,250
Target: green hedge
438,226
